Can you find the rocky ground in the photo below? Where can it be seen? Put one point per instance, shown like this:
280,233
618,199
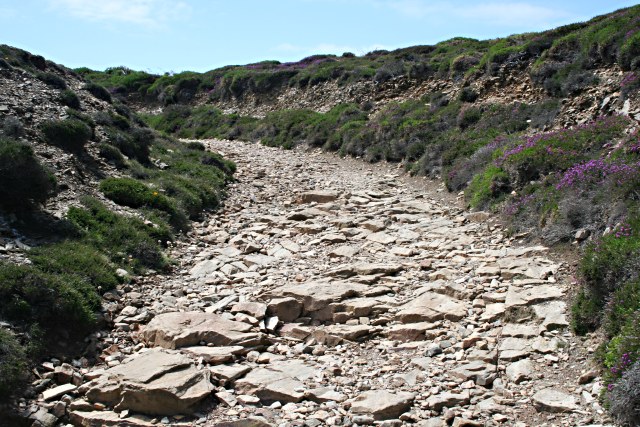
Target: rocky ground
332,292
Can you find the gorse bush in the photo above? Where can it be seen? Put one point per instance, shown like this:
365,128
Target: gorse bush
98,91
52,80
70,99
13,365
12,127
25,182
69,134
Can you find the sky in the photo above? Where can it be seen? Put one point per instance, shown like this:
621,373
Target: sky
177,35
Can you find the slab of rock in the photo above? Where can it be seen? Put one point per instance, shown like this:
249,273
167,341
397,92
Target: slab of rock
554,400
247,422
382,404
107,418
381,237
344,251
281,382
286,309
214,355
377,268
519,296
205,268
420,331
334,334
447,400
325,394
512,349
182,329
156,382
431,307
315,296
228,373
61,390
255,309
480,372
520,371
318,196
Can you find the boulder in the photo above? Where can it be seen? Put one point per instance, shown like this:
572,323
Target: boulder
182,329
156,382
280,382
431,307
382,404
318,196
554,400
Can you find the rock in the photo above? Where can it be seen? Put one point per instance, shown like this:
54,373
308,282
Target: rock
431,307
518,296
381,237
325,394
156,382
39,417
106,418
58,391
318,196
255,309
582,234
382,404
315,296
279,382
344,251
247,422
447,400
213,355
181,329
479,216
412,332
587,377
205,268
520,371
478,371
228,373
286,309
554,400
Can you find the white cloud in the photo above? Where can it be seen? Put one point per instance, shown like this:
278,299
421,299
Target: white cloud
510,14
148,13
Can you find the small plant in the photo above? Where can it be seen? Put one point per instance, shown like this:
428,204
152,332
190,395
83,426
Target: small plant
12,127
25,182
69,134
133,193
624,397
70,99
111,154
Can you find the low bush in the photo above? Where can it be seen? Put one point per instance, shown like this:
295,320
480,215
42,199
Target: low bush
25,182
70,99
13,365
111,154
624,398
69,134
52,80
12,127
98,91
135,194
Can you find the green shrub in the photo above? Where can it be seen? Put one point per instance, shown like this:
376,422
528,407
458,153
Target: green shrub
52,301
69,134
624,398
78,259
133,193
12,127
70,99
52,80
487,187
25,182
127,241
111,154
13,365
98,91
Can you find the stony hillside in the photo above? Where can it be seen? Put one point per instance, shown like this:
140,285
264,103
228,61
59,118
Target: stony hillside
327,291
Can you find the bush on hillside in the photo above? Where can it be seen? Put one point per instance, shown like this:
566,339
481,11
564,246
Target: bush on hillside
112,155
624,398
13,365
69,134
98,91
12,127
52,80
25,182
70,99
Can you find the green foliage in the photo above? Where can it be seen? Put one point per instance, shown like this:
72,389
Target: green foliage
69,134
488,187
128,241
13,365
98,91
111,154
70,99
25,182
52,80
133,193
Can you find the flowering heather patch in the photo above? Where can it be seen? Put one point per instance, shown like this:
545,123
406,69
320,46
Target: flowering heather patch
597,171
518,204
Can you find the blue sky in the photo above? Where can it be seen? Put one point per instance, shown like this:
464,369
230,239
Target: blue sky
199,35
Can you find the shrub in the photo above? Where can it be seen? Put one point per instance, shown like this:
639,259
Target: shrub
70,99
12,127
197,146
128,242
468,95
133,193
69,134
24,181
13,365
52,80
624,398
111,154
52,301
98,91
487,187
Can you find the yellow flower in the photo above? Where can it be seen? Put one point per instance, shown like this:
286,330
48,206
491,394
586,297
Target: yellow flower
155,193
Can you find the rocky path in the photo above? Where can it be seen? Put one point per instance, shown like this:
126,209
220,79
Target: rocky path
332,292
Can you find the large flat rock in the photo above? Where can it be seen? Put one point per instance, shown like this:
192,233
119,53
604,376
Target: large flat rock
182,329
381,404
430,307
156,382
554,400
281,382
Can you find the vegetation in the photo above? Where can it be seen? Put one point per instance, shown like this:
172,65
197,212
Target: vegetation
13,364
25,182
69,134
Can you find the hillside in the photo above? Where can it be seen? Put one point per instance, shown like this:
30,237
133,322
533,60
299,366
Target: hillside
108,223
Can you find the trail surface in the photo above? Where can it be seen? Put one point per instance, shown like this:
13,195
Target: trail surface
333,292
